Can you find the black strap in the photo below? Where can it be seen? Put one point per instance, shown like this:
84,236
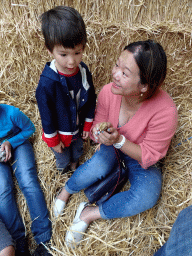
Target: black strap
120,170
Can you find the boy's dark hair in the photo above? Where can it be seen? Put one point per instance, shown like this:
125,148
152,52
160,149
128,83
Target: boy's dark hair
63,25
152,62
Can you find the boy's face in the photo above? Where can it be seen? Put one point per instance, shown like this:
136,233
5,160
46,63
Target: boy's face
67,59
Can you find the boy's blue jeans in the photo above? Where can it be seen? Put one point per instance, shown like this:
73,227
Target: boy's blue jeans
70,154
180,239
26,175
145,183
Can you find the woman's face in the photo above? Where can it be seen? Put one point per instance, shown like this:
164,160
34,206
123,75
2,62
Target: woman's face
126,79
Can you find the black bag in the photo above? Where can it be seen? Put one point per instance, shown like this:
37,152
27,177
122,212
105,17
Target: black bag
102,190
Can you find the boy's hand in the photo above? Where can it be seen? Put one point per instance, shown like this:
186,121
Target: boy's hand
59,148
6,146
85,135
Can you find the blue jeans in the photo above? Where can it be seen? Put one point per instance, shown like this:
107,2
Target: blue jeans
145,184
26,175
70,154
180,239
5,238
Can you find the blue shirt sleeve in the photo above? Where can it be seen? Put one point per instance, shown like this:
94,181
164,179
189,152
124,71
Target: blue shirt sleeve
27,128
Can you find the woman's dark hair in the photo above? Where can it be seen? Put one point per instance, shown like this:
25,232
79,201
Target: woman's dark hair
152,62
63,25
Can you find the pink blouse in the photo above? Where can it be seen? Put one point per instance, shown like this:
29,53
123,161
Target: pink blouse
152,127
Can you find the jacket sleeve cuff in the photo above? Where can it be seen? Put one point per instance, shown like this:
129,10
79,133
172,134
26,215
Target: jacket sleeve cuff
87,126
53,141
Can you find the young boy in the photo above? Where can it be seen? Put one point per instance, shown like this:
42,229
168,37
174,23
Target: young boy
15,129
65,93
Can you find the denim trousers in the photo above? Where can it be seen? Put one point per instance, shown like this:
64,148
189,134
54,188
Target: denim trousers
145,183
180,239
5,238
25,172
70,154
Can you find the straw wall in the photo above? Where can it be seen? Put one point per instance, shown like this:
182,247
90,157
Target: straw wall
110,26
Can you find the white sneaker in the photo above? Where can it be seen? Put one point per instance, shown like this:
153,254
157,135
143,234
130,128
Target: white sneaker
75,234
58,207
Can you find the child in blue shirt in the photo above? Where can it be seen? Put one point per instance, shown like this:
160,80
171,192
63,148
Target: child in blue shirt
65,93
15,129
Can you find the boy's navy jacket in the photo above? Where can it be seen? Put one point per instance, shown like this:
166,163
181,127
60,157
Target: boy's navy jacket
15,126
57,108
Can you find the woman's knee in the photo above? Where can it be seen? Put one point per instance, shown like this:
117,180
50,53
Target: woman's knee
102,162
146,187
149,201
148,196
95,171
140,202
96,168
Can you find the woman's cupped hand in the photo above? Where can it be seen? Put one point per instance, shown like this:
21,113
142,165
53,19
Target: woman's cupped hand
107,137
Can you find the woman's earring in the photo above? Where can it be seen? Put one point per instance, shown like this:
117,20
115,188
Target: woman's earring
141,95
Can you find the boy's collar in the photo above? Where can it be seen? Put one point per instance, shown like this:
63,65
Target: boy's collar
66,75
52,66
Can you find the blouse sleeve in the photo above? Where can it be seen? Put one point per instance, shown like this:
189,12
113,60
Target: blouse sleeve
159,133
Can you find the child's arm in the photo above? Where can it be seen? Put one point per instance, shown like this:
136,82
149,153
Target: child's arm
6,146
26,127
45,105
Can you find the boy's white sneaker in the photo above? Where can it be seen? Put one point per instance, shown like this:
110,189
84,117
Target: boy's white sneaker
75,234
58,207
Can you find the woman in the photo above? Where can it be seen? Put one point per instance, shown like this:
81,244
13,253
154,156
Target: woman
142,119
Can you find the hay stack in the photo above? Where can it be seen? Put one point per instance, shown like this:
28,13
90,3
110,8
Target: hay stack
110,26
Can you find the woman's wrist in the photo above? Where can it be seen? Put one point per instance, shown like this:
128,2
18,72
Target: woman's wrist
120,144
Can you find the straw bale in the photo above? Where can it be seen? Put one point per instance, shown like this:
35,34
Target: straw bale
110,26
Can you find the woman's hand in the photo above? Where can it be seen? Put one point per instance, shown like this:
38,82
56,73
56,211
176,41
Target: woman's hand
108,137
95,131
112,136
6,146
59,148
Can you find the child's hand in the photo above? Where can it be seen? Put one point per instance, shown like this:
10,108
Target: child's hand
6,146
59,148
85,135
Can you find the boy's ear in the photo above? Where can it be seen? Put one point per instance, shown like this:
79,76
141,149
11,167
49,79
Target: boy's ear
50,53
